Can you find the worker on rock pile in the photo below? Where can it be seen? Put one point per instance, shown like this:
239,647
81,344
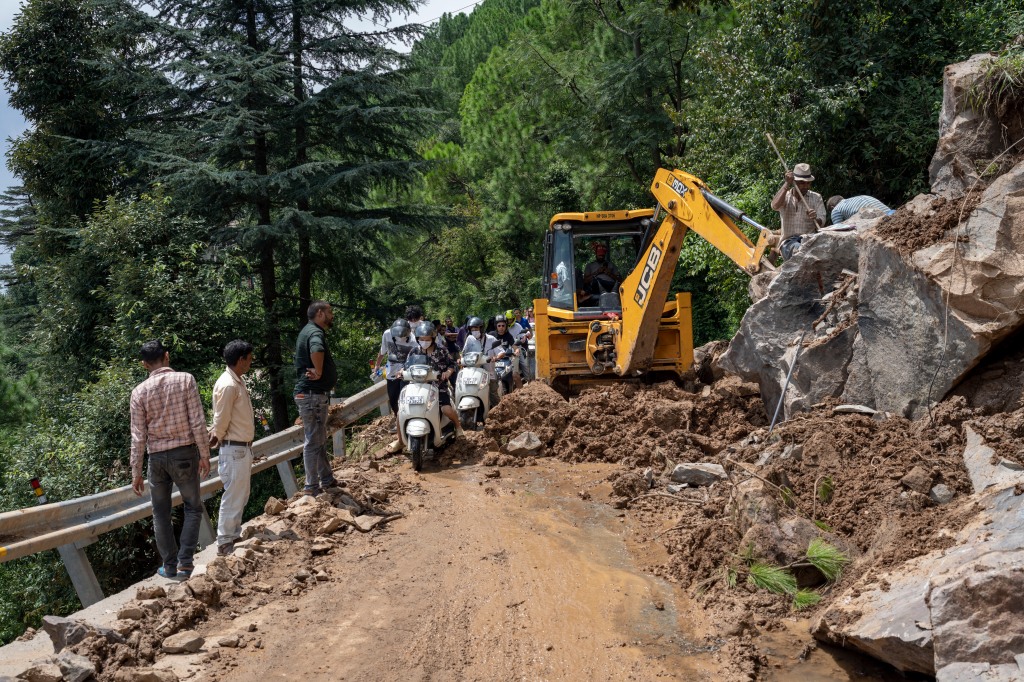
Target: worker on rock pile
841,210
801,210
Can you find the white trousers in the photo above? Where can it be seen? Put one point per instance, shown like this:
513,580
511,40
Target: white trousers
235,468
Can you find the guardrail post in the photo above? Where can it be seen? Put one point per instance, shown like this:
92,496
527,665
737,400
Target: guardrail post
339,435
207,533
287,474
82,576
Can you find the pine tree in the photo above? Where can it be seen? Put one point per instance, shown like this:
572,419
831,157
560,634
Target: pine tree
296,134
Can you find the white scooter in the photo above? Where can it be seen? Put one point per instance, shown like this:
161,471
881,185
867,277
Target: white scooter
423,425
472,395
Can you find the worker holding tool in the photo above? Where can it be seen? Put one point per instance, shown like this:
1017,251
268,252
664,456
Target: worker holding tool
802,211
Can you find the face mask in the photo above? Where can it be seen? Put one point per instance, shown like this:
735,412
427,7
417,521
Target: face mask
476,335
425,344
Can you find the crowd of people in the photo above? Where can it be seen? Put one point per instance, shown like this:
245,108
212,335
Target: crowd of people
442,343
168,422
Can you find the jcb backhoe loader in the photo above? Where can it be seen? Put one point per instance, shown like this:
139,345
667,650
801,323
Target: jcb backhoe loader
611,328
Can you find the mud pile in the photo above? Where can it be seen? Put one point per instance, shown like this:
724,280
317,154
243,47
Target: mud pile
639,426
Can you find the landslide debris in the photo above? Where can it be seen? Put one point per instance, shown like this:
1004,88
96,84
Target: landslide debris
282,554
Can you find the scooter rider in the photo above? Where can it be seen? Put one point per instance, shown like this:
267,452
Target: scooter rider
506,344
442,363
489,344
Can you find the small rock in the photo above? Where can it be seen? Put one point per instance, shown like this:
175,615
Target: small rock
252,627
186,641
649,477
155,592
940,494
74,667
261,587
493,473
526,443
698,474
218,570
584,495
549,647
919,480
676,488
303,575
65,632
303,501
43,672
274,506
332,524
178,593
659,605
131,612
292,609
205,590
228,642
795,451
367,523
321,547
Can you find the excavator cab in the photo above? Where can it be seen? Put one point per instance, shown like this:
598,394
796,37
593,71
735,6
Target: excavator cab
578,284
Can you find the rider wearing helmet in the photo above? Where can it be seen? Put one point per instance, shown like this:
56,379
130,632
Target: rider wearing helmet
443,364
506,345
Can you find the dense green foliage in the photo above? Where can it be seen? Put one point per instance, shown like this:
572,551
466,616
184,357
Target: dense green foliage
199,172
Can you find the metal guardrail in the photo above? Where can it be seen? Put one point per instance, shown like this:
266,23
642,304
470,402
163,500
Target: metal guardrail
72,525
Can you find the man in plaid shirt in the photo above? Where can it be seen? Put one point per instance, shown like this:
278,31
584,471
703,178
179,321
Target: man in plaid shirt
167,420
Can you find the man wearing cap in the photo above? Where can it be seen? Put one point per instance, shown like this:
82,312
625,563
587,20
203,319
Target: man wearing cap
798,219
601,276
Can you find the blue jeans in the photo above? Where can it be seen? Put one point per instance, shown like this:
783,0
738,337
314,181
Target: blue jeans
179,467
313,412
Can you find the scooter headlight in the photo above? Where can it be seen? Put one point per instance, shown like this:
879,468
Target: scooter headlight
418,372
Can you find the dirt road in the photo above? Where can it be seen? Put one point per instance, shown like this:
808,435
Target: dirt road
510,578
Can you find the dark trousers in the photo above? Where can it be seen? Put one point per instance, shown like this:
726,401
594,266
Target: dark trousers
180,467
395,387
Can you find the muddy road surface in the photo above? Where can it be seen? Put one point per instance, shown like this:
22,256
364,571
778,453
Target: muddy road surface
518,577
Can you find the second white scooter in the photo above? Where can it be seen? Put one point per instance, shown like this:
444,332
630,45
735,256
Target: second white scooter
472,387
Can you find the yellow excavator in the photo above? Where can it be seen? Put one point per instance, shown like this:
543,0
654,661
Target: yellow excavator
594,324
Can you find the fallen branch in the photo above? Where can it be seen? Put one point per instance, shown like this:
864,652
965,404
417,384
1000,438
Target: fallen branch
668,495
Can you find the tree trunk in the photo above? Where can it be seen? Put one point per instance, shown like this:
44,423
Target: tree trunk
268,274
299,92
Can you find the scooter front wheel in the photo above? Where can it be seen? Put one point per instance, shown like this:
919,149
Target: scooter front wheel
416,449
467,418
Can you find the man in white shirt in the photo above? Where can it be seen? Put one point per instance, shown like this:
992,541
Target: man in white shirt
233,429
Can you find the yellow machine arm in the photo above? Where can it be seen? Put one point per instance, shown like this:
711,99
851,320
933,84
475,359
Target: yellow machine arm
689,206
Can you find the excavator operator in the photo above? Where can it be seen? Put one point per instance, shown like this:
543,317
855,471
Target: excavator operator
600,276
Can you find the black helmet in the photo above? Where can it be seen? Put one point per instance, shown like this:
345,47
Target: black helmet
474,322
426,328
400,329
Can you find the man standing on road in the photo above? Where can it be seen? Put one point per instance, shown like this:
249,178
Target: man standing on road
316,376
798,219
167,420
233,429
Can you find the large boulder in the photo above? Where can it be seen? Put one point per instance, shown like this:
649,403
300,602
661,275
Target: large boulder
900,321
948,613
969,139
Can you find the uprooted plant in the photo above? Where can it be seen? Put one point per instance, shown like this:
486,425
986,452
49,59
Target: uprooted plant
826,558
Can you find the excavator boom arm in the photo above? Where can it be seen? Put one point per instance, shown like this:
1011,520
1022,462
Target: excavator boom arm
689,206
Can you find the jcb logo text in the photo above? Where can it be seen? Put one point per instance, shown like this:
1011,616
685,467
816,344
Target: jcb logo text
644,286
